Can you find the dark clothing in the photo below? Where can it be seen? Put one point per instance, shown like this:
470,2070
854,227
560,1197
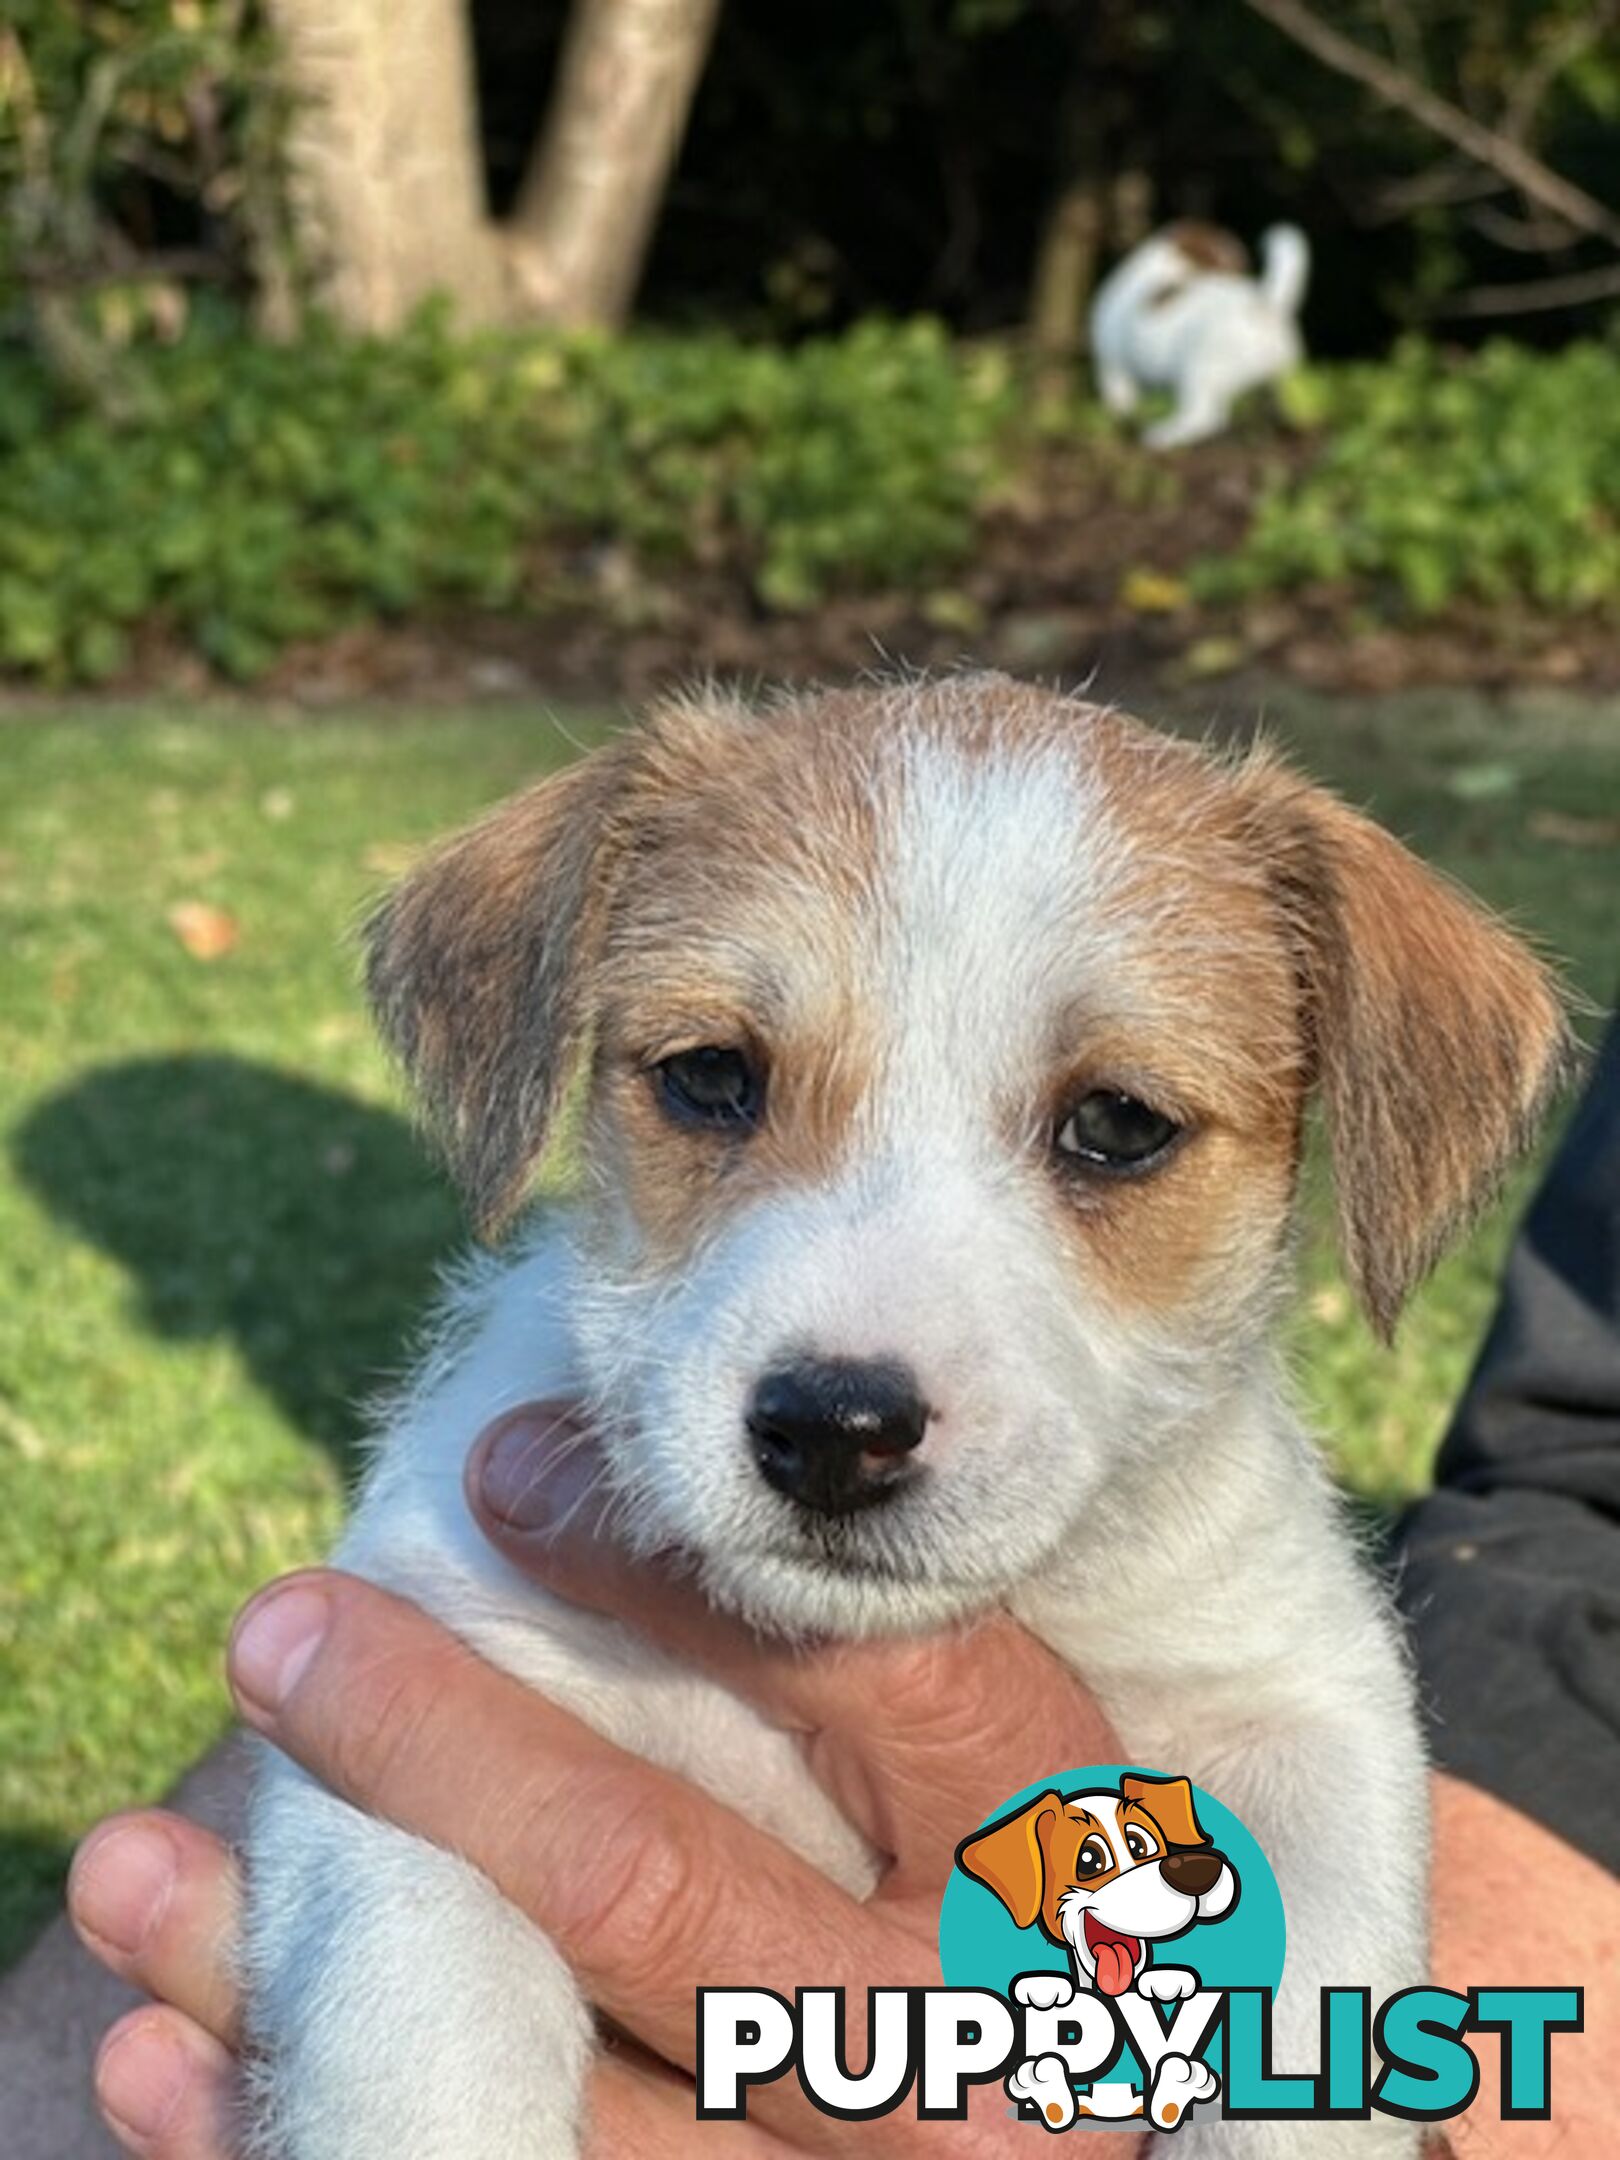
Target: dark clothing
1511,1567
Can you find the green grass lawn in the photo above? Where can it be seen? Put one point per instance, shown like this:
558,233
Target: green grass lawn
216,1227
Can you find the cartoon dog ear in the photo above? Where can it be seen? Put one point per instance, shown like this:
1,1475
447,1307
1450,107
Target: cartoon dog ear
1010,1858
1170,1802
1435,1035
476,965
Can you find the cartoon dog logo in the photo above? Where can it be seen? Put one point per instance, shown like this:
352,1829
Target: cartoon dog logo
1107,1875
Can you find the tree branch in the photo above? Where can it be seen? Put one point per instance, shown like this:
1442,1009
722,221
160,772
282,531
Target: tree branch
1535,294
1538,234
1484,144
1448,186
1405,37
47,274
1559,54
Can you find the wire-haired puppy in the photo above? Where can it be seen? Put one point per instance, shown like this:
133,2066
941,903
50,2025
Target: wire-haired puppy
1181,313
944,1051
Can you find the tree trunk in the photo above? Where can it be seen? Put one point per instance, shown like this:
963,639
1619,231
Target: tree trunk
1064,276
585,213
1095,113
387,168
1130,209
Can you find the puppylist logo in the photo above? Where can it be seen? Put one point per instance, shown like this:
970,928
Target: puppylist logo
1113,1874
1110,1944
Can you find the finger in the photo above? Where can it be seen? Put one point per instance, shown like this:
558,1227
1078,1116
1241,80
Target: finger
165,2087
648,1887
917,1739
158,1900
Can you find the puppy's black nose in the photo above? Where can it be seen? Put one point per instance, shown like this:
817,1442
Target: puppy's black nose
1192,1872
833,1433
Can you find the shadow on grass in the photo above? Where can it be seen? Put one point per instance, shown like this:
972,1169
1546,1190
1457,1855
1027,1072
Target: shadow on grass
247,1203
33,1870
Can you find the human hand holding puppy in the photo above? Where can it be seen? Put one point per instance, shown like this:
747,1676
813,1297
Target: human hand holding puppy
913,1739
648,1886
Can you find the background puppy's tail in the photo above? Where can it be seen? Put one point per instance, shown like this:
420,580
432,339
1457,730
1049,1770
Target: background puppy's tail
1285,265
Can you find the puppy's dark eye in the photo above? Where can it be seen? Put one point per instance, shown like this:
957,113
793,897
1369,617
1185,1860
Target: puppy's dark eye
1138,1844
713,1087
1093,1857
1106,1130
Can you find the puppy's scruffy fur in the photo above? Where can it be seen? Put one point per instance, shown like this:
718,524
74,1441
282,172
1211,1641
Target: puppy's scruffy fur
935,915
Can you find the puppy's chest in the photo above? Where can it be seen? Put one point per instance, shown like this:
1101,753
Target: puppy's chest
1198,1672
630,1694
642,1701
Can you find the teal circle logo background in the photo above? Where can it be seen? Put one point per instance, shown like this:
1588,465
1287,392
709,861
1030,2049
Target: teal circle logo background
979,1946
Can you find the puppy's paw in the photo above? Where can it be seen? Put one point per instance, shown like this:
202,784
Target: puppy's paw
1043,2083
397,2007
1167,1983
1043,1990
1179,2084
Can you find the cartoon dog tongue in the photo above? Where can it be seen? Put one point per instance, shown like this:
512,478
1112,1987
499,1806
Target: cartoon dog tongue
1116,1957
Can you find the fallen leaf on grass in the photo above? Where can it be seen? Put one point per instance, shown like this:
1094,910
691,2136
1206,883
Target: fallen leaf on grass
391,858
1150,592
17,1433
206,932
950,609
1567,831
1483,782
1208,656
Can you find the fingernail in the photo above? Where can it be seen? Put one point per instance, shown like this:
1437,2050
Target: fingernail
121,1883
141,2077
275,1639
533,1468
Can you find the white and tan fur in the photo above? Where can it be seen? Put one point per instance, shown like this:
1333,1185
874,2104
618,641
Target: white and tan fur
1181,313
935,909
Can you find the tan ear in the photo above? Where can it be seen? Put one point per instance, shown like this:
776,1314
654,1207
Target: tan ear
1170,1802
476,967
1008,1859
1436,1035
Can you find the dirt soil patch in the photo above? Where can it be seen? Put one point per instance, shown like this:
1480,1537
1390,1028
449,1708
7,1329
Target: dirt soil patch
1080,572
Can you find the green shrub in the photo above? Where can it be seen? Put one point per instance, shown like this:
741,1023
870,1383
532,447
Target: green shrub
268,493
1495,478
277,492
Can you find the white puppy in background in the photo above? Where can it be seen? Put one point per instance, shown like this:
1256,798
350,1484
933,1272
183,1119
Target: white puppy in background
943,1052
1181,313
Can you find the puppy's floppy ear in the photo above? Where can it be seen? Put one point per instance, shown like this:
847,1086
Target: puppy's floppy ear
1169,1801
476,967
1435,1035
1009,1858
